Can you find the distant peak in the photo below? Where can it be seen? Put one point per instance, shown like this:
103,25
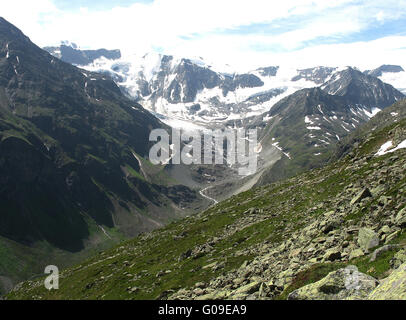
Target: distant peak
384,69
69,44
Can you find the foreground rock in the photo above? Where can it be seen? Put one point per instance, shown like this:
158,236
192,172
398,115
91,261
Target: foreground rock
393,287
367,239
346,283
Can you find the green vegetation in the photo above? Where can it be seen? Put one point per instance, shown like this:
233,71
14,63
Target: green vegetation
313,274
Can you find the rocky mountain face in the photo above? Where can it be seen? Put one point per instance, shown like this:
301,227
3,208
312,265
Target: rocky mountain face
70,53
301,114
193,90
190,78
306,125
336,232
72,156
358,88
395,75
384,69
302,127
268,71
318,75
197,92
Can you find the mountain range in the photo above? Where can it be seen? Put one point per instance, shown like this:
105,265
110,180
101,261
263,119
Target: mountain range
201,92
194,94
75,177
73,159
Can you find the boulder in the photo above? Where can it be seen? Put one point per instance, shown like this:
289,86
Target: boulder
367,239
392,236
248,289
364,193
332,254
346,283
381,250
356,254
398,259
391,288
331,225
385,230
400,220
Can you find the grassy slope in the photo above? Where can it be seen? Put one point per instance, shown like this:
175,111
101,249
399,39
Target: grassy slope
135,264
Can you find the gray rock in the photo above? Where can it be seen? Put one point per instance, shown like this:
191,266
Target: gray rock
365,193
346,283
367,239
356,254
381,250
391,288
400,220
332,254
398,259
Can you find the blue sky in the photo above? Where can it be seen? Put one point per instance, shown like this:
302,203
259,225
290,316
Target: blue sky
95,4
237,32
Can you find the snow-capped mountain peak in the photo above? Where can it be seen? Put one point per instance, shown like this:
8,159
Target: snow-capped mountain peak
193,89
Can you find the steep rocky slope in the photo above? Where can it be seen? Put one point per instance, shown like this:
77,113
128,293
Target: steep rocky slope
307,125
271,241
72,159
70,53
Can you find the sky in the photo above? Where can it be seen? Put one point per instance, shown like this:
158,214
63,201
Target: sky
244,34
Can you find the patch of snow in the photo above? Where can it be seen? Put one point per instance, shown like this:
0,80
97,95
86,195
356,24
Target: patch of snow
276,145
383,149
386,148
308,120
345,128
313,128
373,112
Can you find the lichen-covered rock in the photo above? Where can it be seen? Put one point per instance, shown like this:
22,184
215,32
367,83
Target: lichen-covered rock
400,220
346,283
393,287
356,253
367,239
332,254
249,288
382,250
364,193
398,259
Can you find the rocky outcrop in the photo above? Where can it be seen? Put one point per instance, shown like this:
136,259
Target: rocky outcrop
383,69
361,89
367,239
346,283
391,288
365,193
317,75
71,54
400,220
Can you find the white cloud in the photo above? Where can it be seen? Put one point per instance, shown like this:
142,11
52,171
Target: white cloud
163,24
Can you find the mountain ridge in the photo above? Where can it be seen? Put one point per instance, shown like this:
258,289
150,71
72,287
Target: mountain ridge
74,158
